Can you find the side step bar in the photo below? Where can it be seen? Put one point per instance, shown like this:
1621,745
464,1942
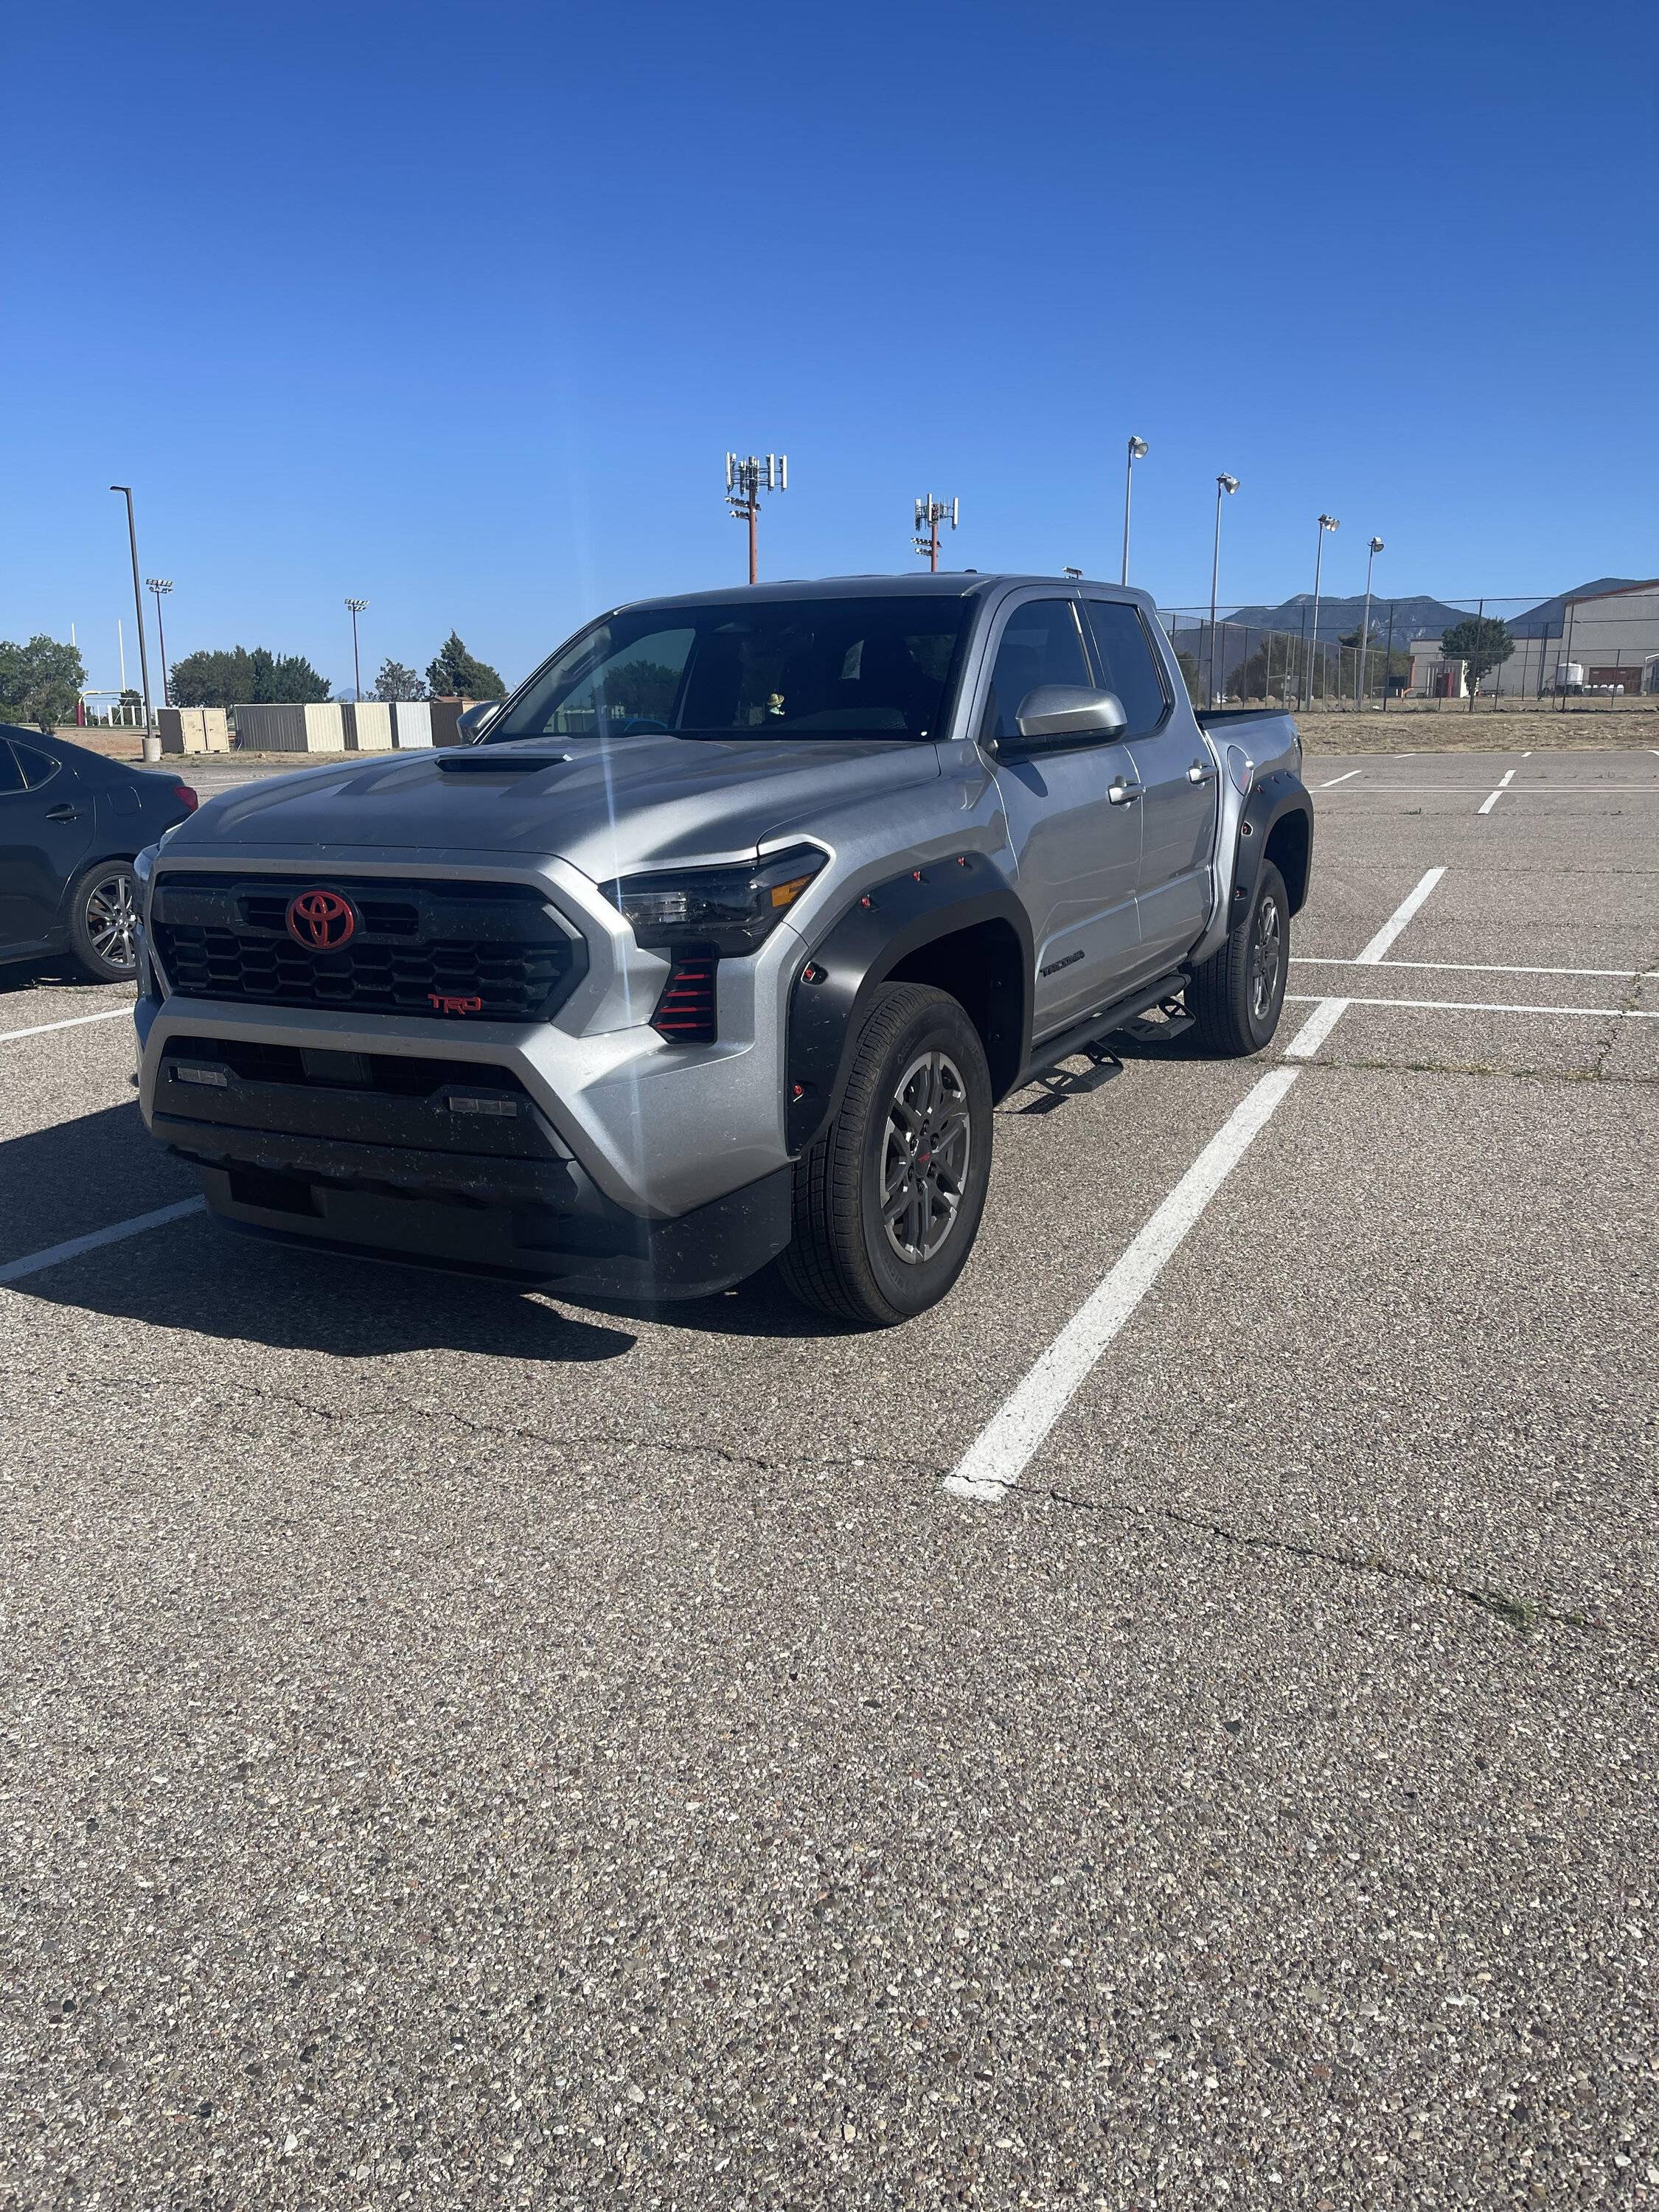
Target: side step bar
1095,1027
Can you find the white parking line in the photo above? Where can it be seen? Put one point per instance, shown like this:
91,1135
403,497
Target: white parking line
75,1022
1397,920
1469,967
998,1456
995,1461
1527,790
13,1271
1504,782
1318,1026
1486,1006
1332,782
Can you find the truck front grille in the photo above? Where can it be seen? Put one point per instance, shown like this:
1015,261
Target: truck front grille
493,951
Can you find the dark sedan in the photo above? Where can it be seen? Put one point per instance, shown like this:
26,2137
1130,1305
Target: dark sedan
71,822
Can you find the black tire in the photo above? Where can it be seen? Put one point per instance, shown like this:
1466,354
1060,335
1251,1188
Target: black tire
919,1070
103,916
1237,996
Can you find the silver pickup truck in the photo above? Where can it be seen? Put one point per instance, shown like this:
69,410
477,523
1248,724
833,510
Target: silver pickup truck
723,943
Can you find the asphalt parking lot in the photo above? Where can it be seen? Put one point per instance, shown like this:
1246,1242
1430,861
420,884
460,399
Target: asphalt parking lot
1175,1726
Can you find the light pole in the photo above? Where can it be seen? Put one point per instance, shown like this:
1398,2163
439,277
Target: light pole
161,585
1138,452
930,512
1224,488
357,607
745,480
1371,552
138,608
1326,522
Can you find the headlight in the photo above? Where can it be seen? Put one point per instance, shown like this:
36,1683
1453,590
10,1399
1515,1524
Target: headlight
143,864
732,909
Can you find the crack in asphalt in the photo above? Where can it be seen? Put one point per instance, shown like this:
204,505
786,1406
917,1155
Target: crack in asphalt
1593,1075
1522,1614
227,1394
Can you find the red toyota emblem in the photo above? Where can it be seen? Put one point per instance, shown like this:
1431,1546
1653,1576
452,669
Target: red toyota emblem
321,921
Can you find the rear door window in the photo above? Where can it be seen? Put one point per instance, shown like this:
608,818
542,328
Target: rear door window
1040,644
11,777
1124,655
38,768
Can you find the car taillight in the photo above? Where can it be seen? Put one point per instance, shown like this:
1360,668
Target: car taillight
186,796
685,1012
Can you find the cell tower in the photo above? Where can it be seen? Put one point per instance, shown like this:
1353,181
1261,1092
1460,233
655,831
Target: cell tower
745,483
930,512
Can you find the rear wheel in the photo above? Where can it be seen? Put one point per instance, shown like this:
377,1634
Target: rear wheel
103,921
888,1199
1236,997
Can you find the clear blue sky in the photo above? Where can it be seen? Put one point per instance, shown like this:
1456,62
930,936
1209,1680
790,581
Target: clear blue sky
458,308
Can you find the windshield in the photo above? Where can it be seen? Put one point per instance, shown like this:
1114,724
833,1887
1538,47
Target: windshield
780,668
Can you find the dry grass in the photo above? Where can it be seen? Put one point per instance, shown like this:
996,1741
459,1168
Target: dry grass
1615,727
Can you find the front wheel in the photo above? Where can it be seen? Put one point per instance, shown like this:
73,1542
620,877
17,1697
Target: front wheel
1236,997
888,1198
103,921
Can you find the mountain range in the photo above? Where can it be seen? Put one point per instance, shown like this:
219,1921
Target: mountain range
1419,615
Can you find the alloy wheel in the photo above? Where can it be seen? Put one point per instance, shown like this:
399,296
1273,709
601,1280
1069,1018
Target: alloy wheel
925,1155
1266,954
113,918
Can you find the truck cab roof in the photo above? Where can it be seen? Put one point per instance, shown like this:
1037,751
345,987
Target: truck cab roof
957,583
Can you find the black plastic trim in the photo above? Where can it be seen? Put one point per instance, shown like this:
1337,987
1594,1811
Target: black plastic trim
569,1237
1270,800
882,928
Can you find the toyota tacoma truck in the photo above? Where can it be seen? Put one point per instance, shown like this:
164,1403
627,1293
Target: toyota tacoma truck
721,944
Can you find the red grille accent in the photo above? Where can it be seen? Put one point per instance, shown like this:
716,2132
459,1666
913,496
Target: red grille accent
685,1012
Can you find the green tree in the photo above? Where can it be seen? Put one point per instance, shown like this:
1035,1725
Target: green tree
1272,670
1481,642
240,678
456,675
39,682
1191,677
396,682
643,689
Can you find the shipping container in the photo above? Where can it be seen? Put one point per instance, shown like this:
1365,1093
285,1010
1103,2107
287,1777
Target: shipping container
368,727
446,721
325,728
290,729
268,729
411,723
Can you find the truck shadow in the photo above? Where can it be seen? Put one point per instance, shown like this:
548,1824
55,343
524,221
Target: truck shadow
197,1277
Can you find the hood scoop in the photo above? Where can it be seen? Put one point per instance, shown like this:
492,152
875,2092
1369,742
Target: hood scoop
503,763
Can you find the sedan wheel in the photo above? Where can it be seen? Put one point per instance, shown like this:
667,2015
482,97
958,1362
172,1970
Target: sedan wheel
104,922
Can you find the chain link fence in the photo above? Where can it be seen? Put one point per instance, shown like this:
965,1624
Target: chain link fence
1498,653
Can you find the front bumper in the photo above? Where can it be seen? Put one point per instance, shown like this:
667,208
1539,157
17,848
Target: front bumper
660,1128
534,1219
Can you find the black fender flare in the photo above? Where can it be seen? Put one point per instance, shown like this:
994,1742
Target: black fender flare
835,980
1270,800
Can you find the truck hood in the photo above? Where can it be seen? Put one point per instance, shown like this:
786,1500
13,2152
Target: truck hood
607,807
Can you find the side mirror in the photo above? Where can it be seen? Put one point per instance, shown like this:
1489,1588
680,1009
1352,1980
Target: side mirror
473,721
1054,714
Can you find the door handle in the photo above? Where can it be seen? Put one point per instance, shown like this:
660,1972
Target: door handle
1198,772
62,812
1122,794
